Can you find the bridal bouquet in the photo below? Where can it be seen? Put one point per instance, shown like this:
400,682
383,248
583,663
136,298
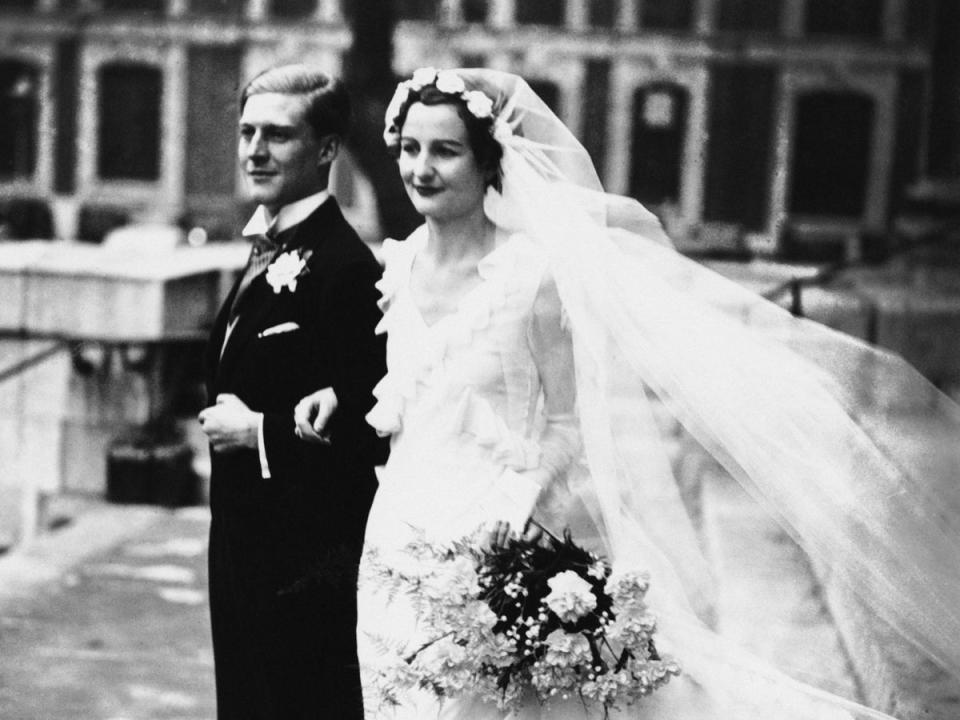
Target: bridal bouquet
543,617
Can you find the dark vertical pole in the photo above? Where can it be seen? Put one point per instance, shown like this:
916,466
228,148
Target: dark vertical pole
66,79
596,101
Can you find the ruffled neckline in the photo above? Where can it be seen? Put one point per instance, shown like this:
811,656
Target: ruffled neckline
410,368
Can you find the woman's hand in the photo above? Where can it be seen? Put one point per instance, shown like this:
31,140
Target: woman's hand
312,414
501,532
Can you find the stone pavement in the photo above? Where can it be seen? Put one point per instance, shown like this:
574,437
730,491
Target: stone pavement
106,619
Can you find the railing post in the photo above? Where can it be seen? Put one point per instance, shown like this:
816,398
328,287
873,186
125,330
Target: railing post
796,297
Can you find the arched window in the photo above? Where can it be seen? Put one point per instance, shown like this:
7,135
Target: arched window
659,132
19,111
129,132
831,153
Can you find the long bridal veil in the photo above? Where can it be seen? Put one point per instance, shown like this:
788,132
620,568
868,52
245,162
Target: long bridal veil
805,418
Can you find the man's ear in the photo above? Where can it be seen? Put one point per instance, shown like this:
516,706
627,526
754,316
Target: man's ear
329,149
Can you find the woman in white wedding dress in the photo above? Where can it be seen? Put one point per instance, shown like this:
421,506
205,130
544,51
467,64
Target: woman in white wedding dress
529,322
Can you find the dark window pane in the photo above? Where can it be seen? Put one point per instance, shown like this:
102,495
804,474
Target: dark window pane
417,9
920,14
151,6
666,14
129,122
541,12
749,15
548,92
603,13
741,106
18,119
17,4
596,102
475,11
943,143
66,82
831,153
659,132
844,17
218,7
907,148
293,8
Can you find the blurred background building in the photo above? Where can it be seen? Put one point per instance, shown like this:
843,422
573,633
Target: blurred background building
774,138
791,128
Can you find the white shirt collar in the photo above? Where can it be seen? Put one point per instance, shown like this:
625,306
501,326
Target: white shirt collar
288,216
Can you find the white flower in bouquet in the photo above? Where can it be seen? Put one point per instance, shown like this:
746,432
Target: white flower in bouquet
632,631
627,588
598,570
566,649
571,597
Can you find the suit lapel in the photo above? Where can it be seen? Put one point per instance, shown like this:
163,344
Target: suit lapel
259,297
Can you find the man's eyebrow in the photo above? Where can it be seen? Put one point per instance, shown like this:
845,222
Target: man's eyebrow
268,126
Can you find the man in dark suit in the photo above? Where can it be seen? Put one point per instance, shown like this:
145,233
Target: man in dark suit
288,516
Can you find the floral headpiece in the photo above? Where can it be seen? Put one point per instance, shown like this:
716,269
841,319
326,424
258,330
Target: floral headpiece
447,82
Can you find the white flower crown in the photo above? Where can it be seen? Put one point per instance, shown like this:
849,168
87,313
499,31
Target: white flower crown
448,82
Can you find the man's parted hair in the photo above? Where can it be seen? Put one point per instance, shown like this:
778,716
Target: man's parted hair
328,111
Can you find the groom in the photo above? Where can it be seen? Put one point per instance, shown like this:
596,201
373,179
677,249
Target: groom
288,516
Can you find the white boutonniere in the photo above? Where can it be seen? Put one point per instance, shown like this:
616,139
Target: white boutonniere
286,270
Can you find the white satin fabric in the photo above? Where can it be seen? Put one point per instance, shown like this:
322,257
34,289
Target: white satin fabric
808,420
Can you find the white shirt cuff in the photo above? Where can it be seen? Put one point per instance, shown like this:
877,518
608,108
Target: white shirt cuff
262,449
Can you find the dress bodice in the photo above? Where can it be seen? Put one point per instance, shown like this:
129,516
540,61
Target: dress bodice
463,397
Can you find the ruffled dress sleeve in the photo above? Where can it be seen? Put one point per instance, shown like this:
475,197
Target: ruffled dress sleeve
386,415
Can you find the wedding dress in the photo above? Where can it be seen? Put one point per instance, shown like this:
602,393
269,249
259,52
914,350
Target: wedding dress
582,316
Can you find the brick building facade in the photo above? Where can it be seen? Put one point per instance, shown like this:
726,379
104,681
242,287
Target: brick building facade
772,126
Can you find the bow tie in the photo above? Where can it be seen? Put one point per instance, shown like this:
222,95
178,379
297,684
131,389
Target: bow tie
262,252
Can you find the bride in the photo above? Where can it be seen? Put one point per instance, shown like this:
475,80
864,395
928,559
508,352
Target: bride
534,326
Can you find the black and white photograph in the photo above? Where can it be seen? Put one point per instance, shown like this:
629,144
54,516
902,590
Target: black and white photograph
479,359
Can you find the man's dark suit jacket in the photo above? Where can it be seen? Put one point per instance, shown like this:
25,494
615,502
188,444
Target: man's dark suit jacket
284,550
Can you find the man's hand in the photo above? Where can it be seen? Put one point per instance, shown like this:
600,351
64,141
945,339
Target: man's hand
313,413
230,424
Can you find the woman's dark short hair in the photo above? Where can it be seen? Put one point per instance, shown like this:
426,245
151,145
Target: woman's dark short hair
328,110
486,150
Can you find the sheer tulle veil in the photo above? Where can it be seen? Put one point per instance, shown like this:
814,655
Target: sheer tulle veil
810,421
